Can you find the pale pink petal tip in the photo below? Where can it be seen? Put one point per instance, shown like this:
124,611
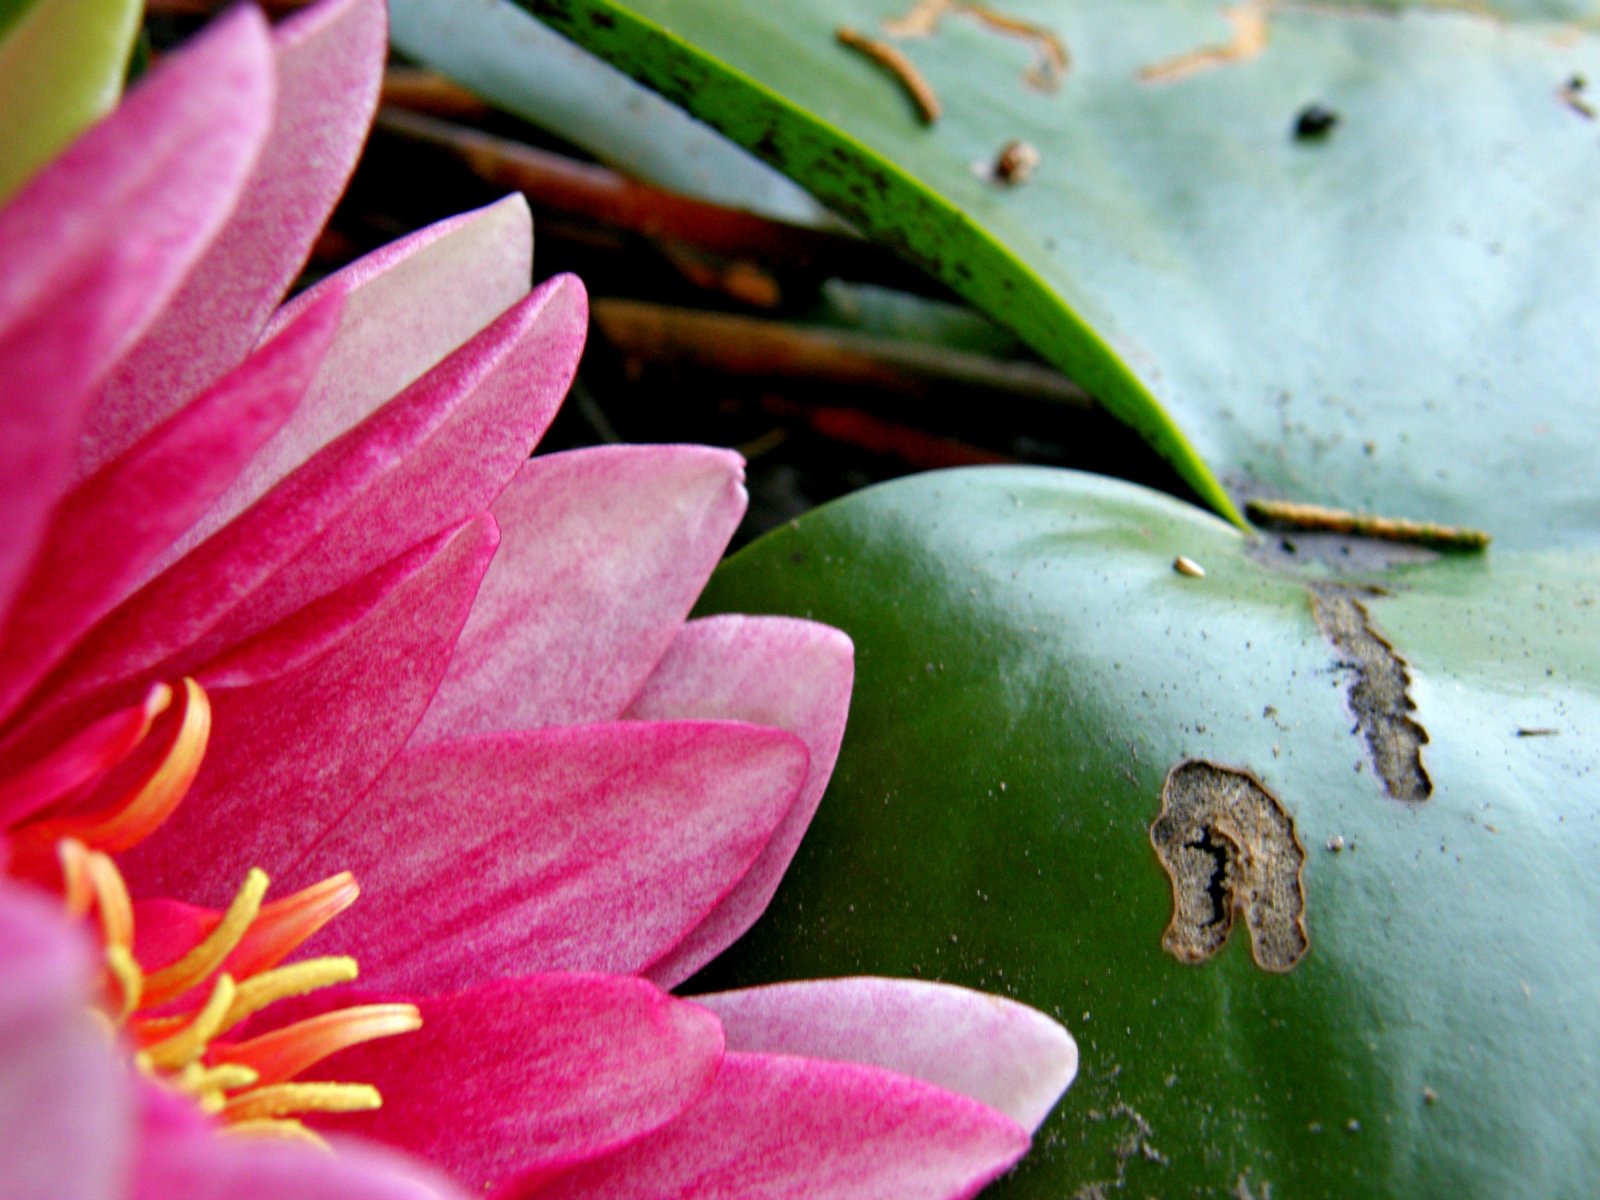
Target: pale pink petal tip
605,551
777,671
328,65
1001,1053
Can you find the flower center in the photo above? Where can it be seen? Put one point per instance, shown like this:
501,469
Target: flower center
183,1021
178,1019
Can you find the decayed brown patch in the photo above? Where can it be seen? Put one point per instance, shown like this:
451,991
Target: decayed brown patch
1378,694
1229,848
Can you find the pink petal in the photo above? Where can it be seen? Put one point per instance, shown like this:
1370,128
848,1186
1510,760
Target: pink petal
778,1128
295,743
793,675
92,248
540,1073
180,1160
329,63
604,553
1001,1053
426,461
584,848
407,306
109,527
65,1102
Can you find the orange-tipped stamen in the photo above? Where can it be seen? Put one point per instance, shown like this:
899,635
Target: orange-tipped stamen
290,1099
131,820
178,977
284,925
284,1053
81,759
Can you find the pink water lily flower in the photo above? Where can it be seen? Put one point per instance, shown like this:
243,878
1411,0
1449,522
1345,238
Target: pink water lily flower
282,597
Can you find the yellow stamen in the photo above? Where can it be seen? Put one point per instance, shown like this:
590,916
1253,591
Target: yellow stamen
111,899
286,1099
177,978
190,1042
229,1077
297,979
281,1128
124,970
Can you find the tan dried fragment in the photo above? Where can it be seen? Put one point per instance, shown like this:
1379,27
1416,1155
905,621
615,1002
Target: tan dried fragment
1247,40
1050,65
1230,849
1292,514
897,64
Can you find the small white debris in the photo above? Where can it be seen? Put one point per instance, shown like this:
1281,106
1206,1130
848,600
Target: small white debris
1336,843
1187,566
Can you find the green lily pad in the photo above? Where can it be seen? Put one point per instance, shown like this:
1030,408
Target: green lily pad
1397,315
61,69
1031,669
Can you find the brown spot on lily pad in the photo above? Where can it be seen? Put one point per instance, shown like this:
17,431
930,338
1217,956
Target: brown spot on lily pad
1230,850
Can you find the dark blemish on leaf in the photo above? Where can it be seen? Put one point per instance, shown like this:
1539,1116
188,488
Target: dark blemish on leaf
1314,123
1571,94
602,20
1229,849
1379,692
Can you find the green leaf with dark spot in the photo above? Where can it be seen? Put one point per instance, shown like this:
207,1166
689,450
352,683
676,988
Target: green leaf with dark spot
1399,315
519,65
1030,666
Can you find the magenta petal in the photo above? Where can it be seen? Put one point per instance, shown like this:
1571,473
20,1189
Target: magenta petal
329,62
291,753
406,307
182,1160
535,1073
603,553
66,1104
584,848
791,674
92,248
112,525
427,460
779,1128
999,1052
